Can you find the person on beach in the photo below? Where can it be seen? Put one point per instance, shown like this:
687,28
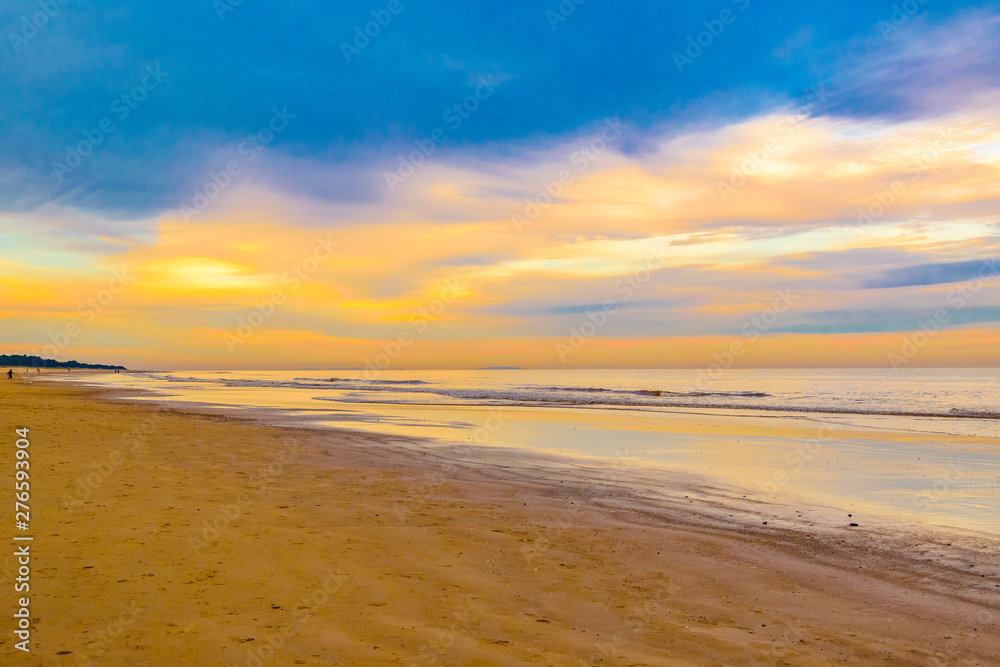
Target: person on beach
10,374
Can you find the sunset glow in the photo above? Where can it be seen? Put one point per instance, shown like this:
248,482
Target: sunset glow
867,192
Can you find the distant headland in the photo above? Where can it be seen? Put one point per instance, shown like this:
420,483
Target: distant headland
38,362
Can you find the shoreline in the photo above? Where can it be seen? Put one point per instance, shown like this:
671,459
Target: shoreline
776,480
582,544
762,410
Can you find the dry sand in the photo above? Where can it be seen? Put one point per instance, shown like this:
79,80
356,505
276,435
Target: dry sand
337,549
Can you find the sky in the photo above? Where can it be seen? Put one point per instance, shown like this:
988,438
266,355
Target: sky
402,184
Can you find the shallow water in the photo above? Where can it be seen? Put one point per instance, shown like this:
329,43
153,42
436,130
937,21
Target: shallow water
865,441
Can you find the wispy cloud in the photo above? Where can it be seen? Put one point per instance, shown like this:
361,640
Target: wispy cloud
908,128
935,274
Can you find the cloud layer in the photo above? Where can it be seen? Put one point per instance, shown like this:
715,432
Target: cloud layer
494,178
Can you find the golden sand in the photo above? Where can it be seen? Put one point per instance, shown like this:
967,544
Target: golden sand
163,538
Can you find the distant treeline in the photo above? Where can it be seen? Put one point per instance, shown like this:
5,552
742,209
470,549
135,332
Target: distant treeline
38,362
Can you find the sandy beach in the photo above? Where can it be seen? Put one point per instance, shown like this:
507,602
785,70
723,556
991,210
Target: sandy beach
555,334
163,537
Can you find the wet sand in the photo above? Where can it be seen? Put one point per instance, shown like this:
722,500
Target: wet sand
163,537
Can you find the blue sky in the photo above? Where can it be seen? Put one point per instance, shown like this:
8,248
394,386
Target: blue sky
606,59
848,152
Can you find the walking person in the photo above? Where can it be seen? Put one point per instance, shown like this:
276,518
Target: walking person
10,374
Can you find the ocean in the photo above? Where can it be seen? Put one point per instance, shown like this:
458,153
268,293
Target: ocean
924,443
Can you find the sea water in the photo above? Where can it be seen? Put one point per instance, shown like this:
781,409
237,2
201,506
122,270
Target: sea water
919,442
